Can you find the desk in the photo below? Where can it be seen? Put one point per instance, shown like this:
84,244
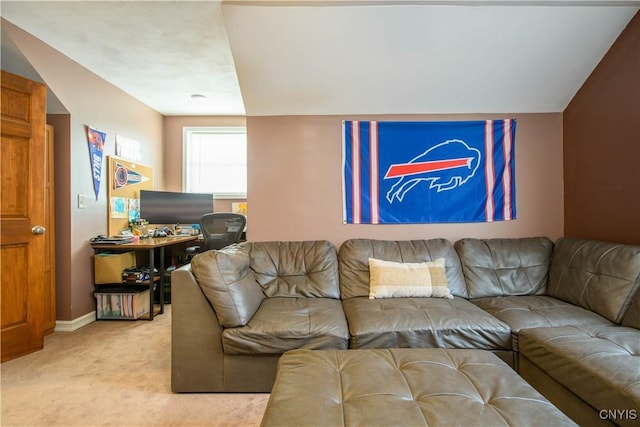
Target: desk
151,245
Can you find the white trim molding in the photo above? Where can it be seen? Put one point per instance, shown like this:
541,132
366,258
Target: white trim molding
75,324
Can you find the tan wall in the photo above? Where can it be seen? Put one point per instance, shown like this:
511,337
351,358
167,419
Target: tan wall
295,181
62,135
602,147
90,101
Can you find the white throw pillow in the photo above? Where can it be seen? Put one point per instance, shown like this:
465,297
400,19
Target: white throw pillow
388,279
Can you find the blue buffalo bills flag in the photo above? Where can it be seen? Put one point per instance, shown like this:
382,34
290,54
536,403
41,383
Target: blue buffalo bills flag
428,172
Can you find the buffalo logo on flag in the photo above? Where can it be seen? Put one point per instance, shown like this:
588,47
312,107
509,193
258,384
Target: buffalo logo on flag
428,172
440,166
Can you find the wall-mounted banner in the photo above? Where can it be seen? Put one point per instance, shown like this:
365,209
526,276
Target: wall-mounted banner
428,172
124,176
96,141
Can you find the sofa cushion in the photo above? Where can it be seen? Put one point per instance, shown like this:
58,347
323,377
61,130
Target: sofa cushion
533,311
599,364
413,279
496,267
282,324
306,269
354,257
228,283
632,316
423,322
599,276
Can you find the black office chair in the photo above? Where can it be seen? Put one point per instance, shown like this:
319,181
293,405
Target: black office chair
221,229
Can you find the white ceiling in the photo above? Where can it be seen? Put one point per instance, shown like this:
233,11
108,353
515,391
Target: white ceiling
333,56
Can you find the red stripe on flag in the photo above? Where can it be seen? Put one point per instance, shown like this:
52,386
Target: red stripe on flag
373,154
403,169
355,166
506,176
488,165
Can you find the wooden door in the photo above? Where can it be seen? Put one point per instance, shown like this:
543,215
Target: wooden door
22,246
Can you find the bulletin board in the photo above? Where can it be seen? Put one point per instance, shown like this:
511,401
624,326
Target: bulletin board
126,179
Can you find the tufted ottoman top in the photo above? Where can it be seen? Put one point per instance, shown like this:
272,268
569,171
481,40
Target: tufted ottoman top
403,387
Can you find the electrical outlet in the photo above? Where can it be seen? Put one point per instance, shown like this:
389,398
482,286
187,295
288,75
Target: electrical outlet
80,201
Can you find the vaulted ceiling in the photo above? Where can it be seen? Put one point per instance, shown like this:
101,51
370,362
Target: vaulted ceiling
334,57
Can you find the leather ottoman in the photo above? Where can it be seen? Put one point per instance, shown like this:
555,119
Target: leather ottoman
403,387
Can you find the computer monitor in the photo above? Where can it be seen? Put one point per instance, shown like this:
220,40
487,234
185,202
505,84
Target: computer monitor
169,207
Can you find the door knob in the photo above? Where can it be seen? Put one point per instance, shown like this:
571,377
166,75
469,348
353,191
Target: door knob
37,229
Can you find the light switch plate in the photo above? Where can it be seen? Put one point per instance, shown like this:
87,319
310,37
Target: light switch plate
80,201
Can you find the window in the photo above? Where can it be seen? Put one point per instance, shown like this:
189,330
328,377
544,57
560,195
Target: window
215,161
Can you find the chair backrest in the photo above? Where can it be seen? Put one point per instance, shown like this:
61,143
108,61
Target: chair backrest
221,229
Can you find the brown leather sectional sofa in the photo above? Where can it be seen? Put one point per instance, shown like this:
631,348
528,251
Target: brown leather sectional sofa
566,315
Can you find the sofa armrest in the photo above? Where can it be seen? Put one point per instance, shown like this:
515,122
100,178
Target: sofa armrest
196,337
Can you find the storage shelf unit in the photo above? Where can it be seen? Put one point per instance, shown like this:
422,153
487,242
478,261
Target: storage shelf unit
149,245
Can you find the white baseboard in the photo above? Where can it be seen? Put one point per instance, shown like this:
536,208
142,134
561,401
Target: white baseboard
75,324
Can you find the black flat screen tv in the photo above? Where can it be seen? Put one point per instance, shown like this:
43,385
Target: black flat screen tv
169,207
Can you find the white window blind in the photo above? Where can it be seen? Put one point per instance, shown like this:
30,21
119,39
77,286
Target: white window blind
215,161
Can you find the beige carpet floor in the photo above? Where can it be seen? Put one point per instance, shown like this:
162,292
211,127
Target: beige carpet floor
113,373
